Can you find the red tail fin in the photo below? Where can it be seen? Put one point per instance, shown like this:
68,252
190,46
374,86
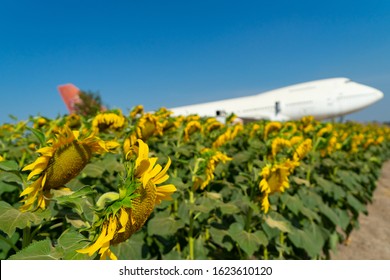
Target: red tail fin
70,95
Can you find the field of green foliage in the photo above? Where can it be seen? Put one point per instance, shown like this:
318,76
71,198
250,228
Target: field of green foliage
157,186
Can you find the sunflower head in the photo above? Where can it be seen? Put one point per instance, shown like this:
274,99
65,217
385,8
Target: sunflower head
110,120
303,149
140,192
65,155
205,167
223,138
147,126
271,127
191,128
274,179
278,144
137,111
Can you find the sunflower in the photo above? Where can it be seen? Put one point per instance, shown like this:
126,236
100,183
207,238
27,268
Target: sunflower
325,130
109,120
212,124
278,144
137,111
236,129
147,126
275,179
212,158
271,127
256,127
302,150
142,189
191,128
59,162
1,158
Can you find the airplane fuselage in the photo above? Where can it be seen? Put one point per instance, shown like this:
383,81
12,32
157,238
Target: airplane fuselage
322,99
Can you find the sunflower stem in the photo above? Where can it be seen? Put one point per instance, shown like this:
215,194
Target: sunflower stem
191,230
249,214
26,237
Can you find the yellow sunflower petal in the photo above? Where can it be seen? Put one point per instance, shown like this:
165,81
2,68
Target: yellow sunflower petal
46,151
90,250
162,177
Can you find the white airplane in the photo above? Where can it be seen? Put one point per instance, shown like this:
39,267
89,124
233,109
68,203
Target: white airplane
322,99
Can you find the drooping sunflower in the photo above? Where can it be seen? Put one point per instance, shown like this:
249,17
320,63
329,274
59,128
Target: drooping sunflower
191,128
278,144
62,160
223,138
274,179
113,120
303,149
212,124
136,200
255,128
211,159
147,126
271,127
137,111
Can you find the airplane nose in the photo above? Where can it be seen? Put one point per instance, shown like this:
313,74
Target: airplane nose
379,94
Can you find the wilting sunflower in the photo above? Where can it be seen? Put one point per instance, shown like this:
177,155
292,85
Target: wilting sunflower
212,124
255,128
302,150
136,200
109,120
271,127
61,161
191,128
137,111
278,144
147,126
210,160
274,179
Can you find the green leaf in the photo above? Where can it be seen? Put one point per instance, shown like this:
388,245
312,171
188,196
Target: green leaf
219,236
11,218
356,204
228,208
164,225
9,165
200,251
249,242
41,137
94,170
275,220
132,249
5,247
344,218
70,241
38,250
309,239
77,200
292,202
81,193
7,187
111,164
329,187
10,177
329,213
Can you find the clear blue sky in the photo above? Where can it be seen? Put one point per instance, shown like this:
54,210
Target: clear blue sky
171,53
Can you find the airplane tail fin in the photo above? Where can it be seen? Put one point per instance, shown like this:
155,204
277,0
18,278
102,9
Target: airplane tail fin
70,95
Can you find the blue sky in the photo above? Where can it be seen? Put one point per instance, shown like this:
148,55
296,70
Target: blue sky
171,53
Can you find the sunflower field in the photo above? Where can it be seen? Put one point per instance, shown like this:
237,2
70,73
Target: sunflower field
158,186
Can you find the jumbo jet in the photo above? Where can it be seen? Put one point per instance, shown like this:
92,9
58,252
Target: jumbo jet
322,99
